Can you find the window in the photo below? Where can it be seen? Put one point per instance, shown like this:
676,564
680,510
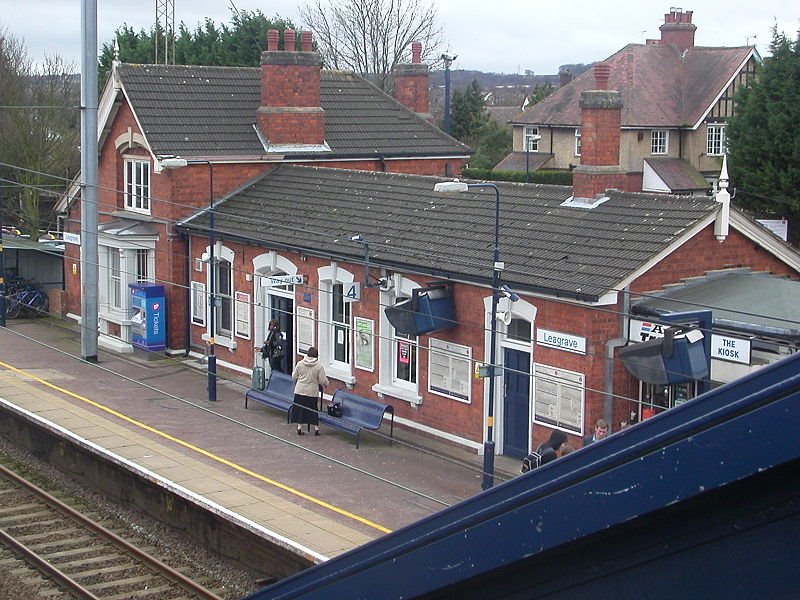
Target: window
531,143
659,141
224,298
114,279
558,397
340,325
405,359
716,142
199,303
137,185
520,330
142,265
577,142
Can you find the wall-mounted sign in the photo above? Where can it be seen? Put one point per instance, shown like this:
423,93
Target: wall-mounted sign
351,292
562,341
365,341
731,349
242,312
72,238
276,280
305,328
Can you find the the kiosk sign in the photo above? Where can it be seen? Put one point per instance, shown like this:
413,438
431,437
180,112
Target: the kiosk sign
722,347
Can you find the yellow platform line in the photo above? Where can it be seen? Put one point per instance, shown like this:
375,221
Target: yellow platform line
205,453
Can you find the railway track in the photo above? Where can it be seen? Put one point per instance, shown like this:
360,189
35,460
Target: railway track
72,552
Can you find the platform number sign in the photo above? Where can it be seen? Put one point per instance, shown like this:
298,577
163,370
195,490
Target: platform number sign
352,292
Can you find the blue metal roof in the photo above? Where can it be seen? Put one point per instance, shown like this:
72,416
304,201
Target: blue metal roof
678,469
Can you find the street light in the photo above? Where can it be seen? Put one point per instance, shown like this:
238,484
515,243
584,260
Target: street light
497,268
448,60
528,140
177,163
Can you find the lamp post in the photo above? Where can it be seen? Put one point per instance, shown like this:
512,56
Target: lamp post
177,163
528,141
497,268
448,60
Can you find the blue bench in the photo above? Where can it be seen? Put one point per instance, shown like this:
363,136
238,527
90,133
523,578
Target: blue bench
278,393
357,413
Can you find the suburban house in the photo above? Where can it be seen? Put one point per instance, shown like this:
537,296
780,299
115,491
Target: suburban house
393,282
677,98
231,124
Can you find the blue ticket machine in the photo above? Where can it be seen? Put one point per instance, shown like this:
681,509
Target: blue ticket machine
149,320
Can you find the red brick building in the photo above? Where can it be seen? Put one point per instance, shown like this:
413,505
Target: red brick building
348,254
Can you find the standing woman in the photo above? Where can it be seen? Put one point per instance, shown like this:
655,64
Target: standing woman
274,346
308,377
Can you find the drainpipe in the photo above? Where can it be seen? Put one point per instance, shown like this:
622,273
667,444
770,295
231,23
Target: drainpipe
187,316
611,345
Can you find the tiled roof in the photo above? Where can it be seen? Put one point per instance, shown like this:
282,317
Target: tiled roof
573,252
211,111
678,174
659,86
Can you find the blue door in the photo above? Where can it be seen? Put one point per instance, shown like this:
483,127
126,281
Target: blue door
516,415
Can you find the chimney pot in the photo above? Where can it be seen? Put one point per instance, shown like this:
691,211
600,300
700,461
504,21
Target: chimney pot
306,40
288,40
416,52
272,40
602,71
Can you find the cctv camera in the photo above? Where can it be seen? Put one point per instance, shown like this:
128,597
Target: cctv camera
508,293
449,57
357,238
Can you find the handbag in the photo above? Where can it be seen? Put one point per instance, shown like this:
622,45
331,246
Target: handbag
335,409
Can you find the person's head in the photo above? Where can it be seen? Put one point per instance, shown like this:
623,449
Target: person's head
557,439
600,429
567,449
312,352
274,325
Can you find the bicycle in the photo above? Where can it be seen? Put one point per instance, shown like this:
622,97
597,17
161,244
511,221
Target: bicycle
27,302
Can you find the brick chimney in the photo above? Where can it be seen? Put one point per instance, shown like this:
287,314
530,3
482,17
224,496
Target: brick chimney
290,112
564,77
678,29
601,114
411,84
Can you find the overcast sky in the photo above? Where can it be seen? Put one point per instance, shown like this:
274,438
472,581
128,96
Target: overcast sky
503,36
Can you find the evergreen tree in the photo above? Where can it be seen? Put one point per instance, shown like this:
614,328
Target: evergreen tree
764,138
494,144
239,44
469,114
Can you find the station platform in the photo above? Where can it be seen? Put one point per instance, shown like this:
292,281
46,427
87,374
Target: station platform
314,496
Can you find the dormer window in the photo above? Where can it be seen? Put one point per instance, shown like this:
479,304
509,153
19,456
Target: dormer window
137,185
659,141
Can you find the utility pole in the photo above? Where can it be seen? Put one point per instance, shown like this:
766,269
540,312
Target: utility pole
89,261
448,60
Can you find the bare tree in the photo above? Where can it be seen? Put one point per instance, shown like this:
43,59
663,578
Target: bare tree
40,122
371,37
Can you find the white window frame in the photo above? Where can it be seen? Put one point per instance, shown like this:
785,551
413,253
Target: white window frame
659,142
388,384
398,340
222,336
137,185
566,379
223,300
531,141
577,141
328,277
716,140
115,301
